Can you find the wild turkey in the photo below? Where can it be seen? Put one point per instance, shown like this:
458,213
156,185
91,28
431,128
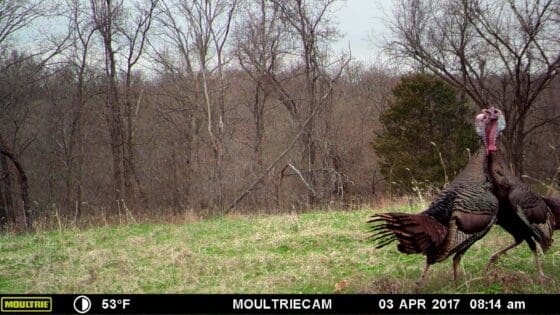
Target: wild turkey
523,213
459,216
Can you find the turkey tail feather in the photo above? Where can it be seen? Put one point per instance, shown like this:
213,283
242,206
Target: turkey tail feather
416,233
386,241
554,205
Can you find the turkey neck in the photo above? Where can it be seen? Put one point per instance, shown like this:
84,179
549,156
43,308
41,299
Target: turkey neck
501,176
472,171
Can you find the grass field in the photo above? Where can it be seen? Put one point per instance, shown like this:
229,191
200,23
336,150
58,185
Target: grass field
317,252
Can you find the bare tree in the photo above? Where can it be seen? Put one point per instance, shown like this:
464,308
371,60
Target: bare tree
294,140
135,32
18,89
22,180
293,34
69,89
200,30
500,53
261,45
19,74
107,14
258,49
123,27
83,33
309,22
179,101
17,15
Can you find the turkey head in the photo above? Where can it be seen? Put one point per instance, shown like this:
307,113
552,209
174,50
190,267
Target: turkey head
489,124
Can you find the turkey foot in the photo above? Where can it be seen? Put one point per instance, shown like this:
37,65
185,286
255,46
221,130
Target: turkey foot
420,282
494,258
543,279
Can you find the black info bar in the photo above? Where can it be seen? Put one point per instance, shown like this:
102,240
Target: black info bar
279,303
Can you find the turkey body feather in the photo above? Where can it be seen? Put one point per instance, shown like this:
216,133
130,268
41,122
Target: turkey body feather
459,216
523,213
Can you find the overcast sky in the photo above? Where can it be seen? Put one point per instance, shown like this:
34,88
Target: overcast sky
364,25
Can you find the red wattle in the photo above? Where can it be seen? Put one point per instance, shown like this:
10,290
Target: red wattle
491,132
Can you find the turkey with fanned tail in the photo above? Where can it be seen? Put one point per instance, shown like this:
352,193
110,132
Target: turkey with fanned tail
459,216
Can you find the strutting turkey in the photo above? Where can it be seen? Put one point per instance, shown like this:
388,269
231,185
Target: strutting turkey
459,216
523,213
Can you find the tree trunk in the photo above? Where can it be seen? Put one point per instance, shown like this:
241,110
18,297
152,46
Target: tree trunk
221,135
115,131
307,138
128,166
308,160
6,184
104,16
115,124
79,148
518,147
174,170
193,161
3,212
24,187
79,188
68,185
258,108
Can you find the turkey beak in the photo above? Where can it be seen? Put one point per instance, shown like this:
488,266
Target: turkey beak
493,113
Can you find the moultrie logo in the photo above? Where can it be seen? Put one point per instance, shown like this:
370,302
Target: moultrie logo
25,304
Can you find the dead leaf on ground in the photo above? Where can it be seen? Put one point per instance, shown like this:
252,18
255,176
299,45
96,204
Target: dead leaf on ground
340,286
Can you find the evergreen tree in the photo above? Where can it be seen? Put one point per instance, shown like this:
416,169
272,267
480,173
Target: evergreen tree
424,125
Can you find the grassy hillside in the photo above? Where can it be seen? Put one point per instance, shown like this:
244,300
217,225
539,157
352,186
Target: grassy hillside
303,253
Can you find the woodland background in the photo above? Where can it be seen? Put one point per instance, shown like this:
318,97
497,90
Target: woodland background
121,108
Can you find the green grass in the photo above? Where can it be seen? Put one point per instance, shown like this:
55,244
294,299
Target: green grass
303,253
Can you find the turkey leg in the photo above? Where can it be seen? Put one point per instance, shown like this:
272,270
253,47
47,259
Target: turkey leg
497,255
456,262
420,281
538,262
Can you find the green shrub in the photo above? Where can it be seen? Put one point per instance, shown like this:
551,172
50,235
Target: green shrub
424,118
